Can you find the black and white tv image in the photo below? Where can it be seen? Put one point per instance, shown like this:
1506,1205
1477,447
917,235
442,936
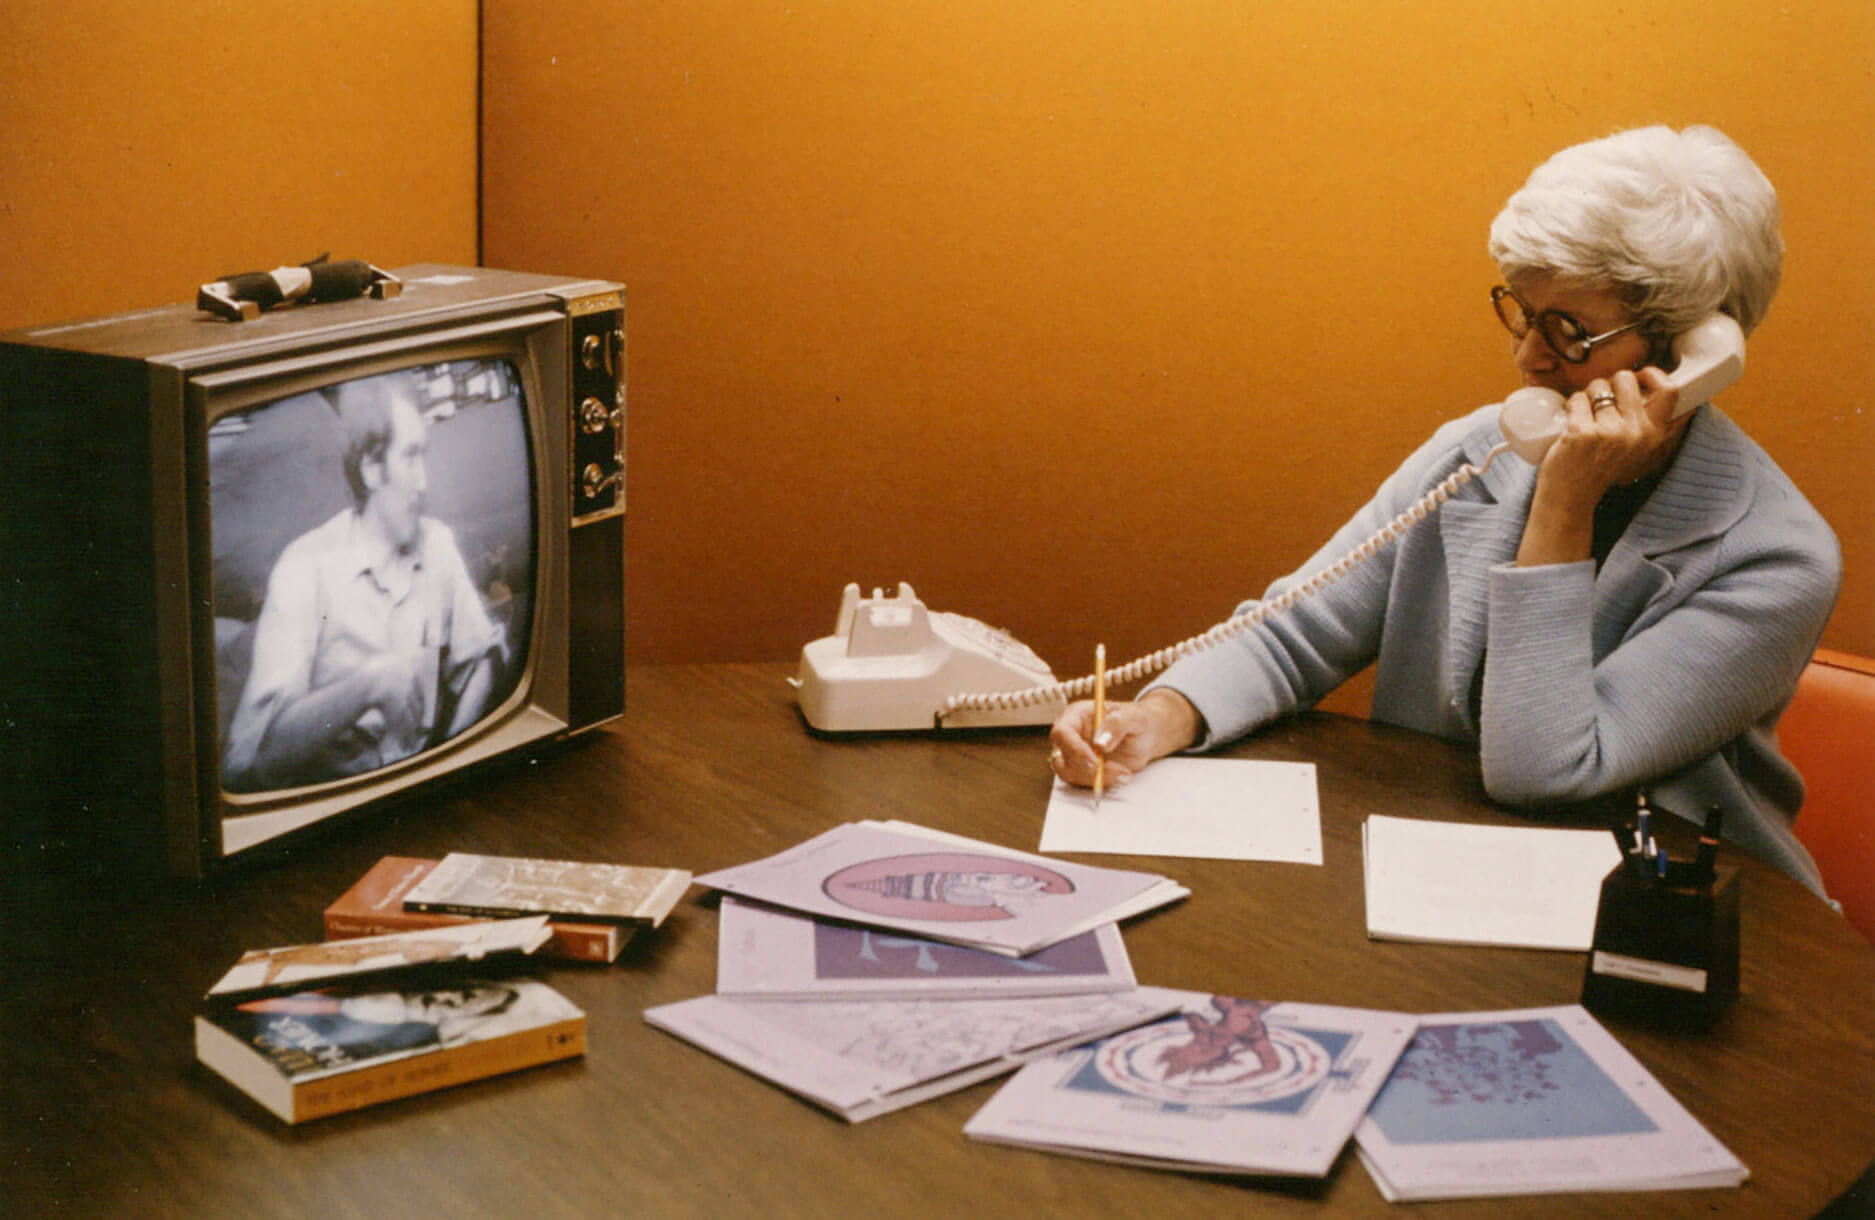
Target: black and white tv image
285,571
373,570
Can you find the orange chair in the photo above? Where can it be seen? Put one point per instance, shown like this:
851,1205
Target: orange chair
1828,732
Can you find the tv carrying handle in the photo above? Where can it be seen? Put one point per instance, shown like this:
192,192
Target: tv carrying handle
244,296
891,664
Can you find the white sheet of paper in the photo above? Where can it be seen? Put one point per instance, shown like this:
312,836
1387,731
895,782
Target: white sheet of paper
1209,808
1534,887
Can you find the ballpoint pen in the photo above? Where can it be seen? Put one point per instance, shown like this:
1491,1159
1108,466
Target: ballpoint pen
1100,716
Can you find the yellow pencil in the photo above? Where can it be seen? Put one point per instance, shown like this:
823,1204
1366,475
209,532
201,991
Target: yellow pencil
1100,715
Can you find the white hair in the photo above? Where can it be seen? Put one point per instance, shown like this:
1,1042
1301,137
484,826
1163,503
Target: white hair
1681,223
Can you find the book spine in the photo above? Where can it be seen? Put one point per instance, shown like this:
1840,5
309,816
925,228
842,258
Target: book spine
577,942
442,1069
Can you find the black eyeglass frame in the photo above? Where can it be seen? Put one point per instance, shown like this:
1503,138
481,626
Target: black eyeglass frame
1575,350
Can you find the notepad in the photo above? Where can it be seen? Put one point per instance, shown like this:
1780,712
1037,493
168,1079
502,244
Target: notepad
1532,887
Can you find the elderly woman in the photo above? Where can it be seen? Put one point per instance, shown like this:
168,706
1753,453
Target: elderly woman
1633,611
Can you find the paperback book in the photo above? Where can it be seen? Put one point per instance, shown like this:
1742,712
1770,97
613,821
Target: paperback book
381,960
314,1053
863,1058
375,906
1531,1101
765,952
1226,1085
944,887
467,884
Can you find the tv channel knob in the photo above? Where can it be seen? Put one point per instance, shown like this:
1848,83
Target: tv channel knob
600,349
593,480
594,416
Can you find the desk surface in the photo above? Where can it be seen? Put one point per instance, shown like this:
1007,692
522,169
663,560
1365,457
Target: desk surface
106,1112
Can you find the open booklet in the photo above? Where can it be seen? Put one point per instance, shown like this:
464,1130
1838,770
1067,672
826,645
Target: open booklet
944,887
767,953
864,1058
1226,1086
1531,1101
1534,887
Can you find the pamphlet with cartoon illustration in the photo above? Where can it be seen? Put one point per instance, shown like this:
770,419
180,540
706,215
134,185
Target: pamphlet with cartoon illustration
766,952
944,887
1531,1101
863,1058
1228,1085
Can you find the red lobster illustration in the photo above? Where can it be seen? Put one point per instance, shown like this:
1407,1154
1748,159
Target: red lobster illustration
1214,1044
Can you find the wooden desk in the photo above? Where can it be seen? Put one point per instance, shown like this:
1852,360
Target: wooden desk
106,1112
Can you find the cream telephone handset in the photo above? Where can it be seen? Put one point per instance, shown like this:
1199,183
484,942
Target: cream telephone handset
892,664
1711,357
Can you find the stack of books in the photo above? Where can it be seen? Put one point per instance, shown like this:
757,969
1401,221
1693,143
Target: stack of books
414,988
318,1029
593,909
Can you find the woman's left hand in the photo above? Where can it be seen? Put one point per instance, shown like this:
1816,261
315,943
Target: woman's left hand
1620,429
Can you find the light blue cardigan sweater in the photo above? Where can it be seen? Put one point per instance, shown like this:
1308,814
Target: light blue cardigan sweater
1670,667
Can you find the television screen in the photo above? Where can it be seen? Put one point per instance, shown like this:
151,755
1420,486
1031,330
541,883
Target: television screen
373,570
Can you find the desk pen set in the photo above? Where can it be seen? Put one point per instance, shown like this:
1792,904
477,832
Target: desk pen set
1666,931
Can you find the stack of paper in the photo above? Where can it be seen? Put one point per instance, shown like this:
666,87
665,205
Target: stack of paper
1531,1101
1533,887
1228,1086
864,1058
898,963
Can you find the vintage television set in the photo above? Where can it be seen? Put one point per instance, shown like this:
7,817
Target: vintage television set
265,574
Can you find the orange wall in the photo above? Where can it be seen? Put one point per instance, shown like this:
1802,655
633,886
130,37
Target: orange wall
1089,317
1086,318
145,149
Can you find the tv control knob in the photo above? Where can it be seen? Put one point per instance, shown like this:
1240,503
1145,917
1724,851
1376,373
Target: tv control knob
592,351
593,480
594,415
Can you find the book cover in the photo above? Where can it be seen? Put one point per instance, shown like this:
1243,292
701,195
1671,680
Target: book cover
863,1058
464,883
944,887
1227,1085
310,1054
1531,1101
383,961
766,952
375,906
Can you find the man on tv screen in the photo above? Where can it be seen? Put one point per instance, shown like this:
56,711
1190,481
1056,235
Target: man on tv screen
373,643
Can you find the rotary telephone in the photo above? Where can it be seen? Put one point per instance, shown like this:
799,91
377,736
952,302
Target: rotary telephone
891,664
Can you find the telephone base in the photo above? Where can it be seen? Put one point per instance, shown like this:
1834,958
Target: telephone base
890,665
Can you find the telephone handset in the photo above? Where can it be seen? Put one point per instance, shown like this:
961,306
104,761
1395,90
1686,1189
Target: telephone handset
891,664
1711,357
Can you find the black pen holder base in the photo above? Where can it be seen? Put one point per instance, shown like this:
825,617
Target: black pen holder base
1666,948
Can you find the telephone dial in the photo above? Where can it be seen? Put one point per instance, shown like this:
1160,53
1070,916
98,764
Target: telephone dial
893,664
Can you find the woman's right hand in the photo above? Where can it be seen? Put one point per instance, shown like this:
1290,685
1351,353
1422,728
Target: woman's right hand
1132,734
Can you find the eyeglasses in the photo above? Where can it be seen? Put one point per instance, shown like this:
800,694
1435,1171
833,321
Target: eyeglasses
1565,336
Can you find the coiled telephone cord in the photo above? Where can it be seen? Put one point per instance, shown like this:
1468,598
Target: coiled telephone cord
1152,663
